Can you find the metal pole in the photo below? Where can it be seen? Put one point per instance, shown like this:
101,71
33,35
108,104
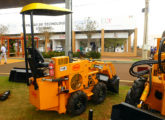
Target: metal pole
90,117
68,28
145,38
25,49
33,53
32,32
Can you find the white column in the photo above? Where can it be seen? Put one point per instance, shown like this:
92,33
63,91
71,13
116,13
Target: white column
68,27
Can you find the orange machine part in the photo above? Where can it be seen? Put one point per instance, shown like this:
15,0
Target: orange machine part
48,96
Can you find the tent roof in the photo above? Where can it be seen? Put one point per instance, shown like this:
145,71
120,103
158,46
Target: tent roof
44,9
21,3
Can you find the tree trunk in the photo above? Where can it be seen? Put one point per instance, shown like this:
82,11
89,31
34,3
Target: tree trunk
88,43
114,48
46,42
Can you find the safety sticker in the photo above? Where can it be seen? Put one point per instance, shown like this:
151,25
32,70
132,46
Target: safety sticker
63,68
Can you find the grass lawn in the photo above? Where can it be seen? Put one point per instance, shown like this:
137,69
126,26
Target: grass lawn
17,106
137,59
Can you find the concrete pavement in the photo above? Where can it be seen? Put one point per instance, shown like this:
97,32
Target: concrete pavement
11,60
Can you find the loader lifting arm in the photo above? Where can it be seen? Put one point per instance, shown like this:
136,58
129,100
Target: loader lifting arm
147,92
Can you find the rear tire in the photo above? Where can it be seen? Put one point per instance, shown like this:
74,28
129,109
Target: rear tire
99,93
134,94
77,103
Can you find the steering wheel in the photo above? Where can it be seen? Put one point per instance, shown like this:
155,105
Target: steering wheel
161,45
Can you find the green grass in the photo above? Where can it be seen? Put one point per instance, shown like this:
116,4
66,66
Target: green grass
17,106
137,59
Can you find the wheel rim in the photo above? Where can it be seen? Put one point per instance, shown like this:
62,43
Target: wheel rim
102,94
79,104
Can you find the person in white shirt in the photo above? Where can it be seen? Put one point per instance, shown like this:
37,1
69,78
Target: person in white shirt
3,53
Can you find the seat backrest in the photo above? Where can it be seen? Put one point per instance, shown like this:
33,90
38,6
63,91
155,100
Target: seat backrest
38,56
36,72
36,63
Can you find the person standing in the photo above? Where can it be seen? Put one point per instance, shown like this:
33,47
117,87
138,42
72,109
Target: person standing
3,53
152,52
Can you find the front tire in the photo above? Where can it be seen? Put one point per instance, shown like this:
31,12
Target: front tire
77,103
134,94
99,93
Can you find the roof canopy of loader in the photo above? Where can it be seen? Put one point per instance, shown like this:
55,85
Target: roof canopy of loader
20,3
44,9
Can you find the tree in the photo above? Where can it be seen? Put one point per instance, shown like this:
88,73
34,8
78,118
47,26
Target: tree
46,33
3,29
88,27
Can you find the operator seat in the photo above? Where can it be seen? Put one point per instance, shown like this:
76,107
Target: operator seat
38,66
39,59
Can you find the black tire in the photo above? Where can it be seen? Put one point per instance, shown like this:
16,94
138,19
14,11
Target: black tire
77,103
99,93
113,84
128,98
134,94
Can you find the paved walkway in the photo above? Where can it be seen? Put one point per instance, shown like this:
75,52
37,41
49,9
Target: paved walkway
11,60
121,59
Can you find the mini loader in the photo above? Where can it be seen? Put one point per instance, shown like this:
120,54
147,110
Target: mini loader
70,82
147,92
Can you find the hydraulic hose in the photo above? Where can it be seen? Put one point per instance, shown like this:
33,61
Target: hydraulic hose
142,62
150,81
149,63
141,73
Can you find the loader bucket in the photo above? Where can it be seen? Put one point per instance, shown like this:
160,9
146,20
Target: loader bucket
126,111
19,75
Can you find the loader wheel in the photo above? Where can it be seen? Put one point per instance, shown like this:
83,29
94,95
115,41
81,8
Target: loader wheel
77,103
99,93
134,94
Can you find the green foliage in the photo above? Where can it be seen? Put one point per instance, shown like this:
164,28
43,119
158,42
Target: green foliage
11,46
91,54
76,54
52,54
114,42
29,42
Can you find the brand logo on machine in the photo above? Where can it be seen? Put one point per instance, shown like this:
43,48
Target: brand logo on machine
76,67
63,68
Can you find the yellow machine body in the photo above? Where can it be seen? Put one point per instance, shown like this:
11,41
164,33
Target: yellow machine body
67,80
156,98
51,95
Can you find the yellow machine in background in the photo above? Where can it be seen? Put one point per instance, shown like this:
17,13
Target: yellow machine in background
154,92
70,82
147,94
